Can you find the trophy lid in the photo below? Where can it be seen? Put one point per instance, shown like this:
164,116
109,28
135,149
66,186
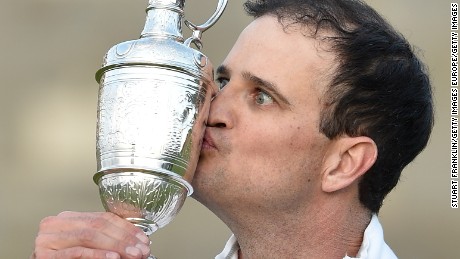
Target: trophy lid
162,44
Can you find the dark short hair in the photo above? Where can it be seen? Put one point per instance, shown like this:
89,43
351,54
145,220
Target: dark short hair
380,88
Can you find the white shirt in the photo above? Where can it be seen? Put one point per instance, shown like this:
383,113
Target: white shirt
373,246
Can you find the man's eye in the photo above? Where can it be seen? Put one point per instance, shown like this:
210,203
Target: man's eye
222,82
263,98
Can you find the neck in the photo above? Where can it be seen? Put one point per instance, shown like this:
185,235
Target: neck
326,232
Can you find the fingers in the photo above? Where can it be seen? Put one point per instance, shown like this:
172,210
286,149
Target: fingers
112,218
107,223
77,253
90,235
91,238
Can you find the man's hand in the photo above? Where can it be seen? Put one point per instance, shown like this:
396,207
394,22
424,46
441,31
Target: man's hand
98,235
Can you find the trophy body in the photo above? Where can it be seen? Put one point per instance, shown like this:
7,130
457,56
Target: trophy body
154,99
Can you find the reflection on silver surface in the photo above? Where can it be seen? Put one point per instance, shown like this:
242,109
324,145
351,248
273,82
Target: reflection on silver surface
150,119
154,99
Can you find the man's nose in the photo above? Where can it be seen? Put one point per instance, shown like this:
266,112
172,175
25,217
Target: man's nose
221,114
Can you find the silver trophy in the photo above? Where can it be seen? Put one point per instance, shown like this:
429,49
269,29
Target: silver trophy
154,100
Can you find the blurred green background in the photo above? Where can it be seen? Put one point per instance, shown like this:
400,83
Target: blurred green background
48,96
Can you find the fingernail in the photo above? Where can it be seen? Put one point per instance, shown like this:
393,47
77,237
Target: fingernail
133,251
142,237
112,255
145,249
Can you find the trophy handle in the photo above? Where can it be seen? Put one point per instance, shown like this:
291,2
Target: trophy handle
199,29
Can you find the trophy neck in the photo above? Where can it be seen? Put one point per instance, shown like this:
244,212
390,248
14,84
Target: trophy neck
164,19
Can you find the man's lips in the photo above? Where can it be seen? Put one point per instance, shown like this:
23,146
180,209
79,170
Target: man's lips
208,142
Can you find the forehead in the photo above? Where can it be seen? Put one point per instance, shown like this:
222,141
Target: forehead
283,55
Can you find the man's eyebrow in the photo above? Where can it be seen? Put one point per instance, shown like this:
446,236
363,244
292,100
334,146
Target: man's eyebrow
222,70
266,85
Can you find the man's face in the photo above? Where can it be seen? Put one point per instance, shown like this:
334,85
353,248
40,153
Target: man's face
262,149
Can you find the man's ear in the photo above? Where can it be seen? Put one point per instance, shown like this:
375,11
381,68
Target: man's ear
347,159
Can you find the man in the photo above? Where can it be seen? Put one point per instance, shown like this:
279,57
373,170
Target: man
322,104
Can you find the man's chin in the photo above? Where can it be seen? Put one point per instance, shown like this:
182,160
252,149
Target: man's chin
202,164
197,189
201,181
196,180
